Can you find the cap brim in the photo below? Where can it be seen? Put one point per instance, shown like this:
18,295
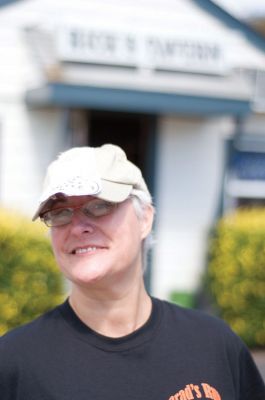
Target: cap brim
111,191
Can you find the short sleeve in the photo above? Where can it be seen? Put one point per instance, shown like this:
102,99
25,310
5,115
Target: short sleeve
8,379
251,383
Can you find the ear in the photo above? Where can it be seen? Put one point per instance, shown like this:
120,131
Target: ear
147,221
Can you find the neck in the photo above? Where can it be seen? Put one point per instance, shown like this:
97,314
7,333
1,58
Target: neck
112,314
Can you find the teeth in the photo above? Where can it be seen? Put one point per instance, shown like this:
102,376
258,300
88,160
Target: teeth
86,250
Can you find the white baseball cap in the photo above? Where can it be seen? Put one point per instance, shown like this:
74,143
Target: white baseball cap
103,172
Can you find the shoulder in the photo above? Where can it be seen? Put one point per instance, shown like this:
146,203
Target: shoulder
29,334
199,326
213,342
189,316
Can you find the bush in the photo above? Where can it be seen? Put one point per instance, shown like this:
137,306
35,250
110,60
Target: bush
236,273
184,299
30,282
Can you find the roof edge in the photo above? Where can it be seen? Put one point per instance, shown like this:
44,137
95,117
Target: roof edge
8,2
231,21
76,96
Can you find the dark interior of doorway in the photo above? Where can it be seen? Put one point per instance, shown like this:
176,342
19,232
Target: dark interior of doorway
134,133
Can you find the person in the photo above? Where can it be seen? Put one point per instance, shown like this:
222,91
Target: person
110,339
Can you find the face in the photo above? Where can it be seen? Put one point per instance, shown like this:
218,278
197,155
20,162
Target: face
93,251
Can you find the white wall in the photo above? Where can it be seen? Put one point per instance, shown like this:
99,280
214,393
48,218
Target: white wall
254,125
190,165
29,141
29,138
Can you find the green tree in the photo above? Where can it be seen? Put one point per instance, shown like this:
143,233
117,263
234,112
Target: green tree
236,273
30,282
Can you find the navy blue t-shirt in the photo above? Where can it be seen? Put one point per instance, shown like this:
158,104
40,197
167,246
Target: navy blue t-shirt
179,354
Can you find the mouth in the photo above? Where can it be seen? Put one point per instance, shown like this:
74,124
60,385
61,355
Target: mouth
86,250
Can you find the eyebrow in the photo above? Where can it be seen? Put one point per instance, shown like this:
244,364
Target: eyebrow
54,202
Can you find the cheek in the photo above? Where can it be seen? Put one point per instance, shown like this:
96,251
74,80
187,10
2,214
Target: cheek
129,235
56,242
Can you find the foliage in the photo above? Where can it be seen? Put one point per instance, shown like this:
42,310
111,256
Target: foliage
184,299
30,282
236,273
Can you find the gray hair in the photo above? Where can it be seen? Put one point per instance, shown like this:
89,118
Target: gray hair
141,200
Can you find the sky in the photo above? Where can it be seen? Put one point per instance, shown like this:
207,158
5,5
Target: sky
243,8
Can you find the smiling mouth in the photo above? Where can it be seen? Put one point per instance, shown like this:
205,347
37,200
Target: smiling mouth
84,250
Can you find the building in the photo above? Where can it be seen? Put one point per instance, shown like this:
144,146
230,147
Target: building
170,81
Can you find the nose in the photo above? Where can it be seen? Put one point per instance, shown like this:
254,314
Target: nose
81,223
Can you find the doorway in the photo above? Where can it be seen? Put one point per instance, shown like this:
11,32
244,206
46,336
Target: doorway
134,133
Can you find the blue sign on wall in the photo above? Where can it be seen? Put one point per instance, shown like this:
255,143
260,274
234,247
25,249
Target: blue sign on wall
249,165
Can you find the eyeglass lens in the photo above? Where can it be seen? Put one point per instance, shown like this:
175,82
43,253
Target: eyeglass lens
63,216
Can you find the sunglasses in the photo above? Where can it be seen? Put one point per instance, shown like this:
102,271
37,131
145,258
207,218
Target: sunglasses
62,216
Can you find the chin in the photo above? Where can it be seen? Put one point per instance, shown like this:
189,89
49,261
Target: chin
87,276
